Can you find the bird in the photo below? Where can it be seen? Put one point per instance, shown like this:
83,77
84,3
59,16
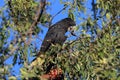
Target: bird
56,34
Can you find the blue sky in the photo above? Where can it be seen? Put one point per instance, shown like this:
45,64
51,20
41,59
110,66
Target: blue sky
1,3
54,8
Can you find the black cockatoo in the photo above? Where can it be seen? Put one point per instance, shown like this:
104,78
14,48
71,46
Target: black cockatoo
56,33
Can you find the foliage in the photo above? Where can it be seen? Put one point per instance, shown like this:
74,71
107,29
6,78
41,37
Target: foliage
94,54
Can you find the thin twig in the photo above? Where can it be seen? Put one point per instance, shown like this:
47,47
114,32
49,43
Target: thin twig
57,14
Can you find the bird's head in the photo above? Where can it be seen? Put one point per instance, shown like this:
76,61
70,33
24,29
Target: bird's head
69,22
70,25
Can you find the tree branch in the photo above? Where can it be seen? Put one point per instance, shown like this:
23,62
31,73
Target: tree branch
38,15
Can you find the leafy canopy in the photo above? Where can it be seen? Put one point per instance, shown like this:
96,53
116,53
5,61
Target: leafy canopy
93,54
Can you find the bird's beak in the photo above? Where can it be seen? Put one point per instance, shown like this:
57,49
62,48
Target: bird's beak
72,29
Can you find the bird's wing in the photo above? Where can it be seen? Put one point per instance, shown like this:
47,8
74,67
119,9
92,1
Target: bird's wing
49,38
